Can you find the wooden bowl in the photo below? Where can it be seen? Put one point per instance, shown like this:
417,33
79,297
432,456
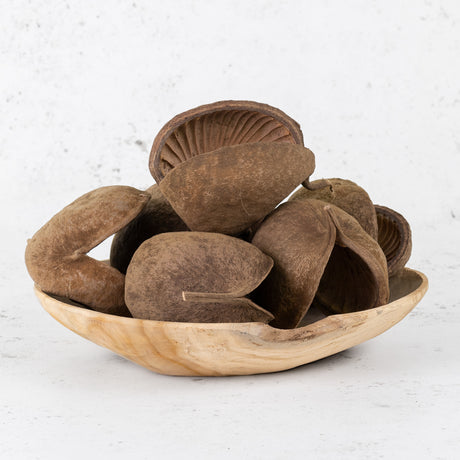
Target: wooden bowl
235,348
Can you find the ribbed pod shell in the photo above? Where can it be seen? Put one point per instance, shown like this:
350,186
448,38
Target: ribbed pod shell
395,238
211,126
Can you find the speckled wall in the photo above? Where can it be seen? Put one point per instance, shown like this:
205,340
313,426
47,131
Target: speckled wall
84,88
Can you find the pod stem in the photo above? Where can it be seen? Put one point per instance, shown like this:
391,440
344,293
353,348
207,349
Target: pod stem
208,297
224,297
320,184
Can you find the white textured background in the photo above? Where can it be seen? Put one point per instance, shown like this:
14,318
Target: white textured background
84,88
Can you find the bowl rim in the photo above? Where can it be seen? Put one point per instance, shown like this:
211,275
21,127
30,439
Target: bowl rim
255,328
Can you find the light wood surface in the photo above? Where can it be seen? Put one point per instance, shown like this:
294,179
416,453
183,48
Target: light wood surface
235,348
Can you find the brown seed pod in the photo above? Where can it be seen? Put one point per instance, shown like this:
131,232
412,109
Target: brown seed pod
211,126
196,277
356,276
156,217
56,255
347,196
395,238
229,189
299,236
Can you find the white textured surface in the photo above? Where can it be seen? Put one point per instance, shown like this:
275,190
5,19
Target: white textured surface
375,86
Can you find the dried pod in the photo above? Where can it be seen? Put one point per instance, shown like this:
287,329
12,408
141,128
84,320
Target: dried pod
56,255
395,238
196,277
156,217
211,126
229,189
346,195
356,276
299,236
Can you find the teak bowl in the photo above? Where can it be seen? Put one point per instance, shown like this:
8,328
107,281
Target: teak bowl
235,348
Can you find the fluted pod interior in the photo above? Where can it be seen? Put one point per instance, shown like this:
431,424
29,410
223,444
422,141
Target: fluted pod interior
209,127
394,237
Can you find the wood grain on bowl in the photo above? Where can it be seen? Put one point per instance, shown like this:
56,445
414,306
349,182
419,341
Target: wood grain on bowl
236,349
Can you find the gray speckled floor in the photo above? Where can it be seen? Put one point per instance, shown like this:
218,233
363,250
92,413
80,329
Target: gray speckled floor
375,86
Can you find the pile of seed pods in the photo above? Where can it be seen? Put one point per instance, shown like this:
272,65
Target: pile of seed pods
210,241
